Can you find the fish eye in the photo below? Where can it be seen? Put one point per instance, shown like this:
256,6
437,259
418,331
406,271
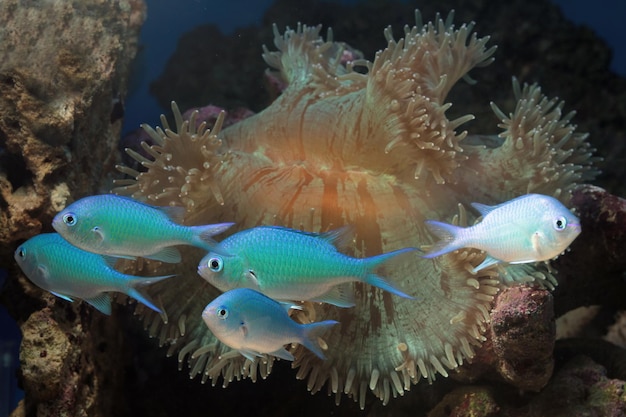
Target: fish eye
215,264
222,313
560,223
69,219
21,252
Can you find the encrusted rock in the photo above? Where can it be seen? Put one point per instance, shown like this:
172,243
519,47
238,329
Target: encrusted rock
64,66
44,355
522,334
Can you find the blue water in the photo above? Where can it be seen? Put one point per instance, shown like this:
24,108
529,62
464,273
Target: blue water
9,358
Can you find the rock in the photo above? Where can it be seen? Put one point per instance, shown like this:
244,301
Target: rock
592,273
64,66
522,335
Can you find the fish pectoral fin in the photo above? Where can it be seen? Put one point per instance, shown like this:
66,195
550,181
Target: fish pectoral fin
102,303
43,271
290,305
484,264
283,354
250,354
65,297
252,278
535,242
340,296
170,255
97,231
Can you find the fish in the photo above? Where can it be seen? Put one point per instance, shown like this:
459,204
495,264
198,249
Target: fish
119,226
292,265
529,228
68,272
254,324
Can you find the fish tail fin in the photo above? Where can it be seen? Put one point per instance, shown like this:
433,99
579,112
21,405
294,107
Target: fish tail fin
377,281
383,284
202,236
134,290
448,235
310,333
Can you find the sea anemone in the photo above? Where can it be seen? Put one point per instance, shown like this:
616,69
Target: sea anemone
366,144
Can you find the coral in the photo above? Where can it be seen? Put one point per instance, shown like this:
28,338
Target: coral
601,254
62,365
580,387
58,86
64,65
522,334
373,148
467,402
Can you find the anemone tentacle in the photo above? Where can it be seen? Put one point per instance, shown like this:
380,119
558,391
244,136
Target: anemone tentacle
374,150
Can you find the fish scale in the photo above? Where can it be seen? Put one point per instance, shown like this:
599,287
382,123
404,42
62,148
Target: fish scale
254,324
68,272
289,264
120,226
522,230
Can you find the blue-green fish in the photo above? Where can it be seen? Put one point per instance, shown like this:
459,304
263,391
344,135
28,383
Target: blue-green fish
55,265
119,226
253,324
291,265
530,228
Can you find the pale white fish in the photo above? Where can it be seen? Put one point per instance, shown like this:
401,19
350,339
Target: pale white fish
530,228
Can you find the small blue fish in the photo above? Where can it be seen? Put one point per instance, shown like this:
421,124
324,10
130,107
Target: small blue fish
53,264
291,265
530,228
119,226
253,324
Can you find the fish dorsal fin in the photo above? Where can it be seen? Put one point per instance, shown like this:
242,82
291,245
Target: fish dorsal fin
170,255
102,303
340,296
175,213
340,238
484,209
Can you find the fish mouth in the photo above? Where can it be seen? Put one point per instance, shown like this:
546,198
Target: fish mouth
575,226
207,313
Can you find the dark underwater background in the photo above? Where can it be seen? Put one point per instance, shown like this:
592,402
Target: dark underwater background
169,20
163,29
